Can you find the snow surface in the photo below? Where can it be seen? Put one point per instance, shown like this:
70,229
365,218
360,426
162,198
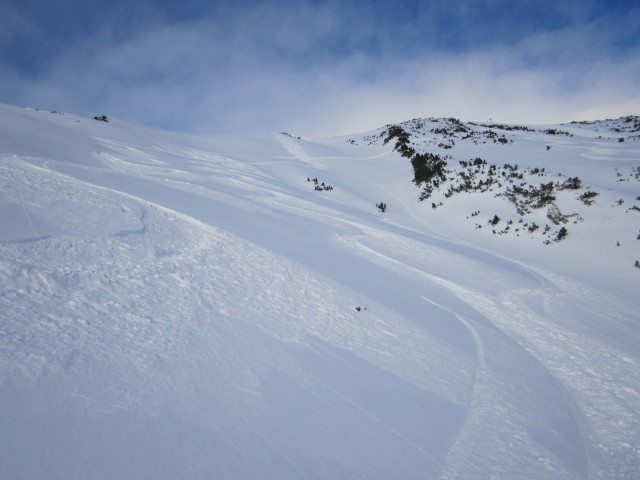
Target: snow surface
176,306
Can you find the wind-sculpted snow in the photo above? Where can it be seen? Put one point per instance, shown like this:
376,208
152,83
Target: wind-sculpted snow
175,306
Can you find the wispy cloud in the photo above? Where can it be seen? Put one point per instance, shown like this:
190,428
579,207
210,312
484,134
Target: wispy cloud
335,67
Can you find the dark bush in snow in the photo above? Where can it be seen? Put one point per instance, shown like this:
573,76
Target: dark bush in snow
588,197
428,166
562,233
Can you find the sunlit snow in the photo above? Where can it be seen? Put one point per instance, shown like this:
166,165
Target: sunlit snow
176,306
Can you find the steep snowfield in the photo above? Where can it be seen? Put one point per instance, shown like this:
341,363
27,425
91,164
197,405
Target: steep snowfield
177,306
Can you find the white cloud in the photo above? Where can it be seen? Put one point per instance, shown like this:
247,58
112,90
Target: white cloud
265,71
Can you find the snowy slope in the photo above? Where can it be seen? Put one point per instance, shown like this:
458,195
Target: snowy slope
178,306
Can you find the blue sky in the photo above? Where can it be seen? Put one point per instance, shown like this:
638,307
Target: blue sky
321,67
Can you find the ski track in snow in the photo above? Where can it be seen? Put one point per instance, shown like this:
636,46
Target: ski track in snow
484,387
175,309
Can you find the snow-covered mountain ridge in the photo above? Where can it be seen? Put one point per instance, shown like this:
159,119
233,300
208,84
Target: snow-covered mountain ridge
536,189
178,306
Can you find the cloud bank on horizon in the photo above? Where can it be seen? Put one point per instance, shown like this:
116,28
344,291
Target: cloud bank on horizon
321,67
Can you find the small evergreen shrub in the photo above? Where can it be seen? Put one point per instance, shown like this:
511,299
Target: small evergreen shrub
562,234
572,184
588,197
